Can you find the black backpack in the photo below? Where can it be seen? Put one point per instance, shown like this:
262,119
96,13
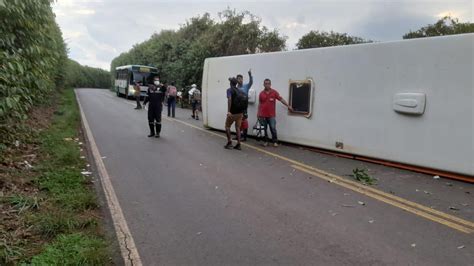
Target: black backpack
240,100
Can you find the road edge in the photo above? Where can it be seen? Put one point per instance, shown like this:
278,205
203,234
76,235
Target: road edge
125,240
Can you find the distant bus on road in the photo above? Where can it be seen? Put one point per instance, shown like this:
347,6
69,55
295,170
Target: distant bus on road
126,76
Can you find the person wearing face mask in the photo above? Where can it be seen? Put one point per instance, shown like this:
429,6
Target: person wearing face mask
155,96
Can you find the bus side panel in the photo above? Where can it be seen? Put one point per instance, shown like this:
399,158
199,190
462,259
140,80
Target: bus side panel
355,90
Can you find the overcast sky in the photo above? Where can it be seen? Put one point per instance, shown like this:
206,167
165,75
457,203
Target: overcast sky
99,30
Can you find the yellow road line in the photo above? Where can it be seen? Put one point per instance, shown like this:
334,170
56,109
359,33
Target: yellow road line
393,200
430,211
389,201
393,197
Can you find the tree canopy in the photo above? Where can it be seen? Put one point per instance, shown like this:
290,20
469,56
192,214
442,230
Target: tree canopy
445,26
180,54
32,52
78,76
316,39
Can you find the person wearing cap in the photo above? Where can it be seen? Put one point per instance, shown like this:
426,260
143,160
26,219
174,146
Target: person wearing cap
155,96
195,95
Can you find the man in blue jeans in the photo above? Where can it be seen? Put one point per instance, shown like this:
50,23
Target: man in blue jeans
266,110
171,92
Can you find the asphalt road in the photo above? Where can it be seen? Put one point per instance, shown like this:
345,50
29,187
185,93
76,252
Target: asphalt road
188,201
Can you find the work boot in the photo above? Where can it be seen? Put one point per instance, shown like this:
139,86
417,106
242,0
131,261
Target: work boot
158,130
237,147
152,130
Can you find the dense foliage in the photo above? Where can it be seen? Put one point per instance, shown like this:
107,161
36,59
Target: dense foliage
180,54
33,63
32,51
444,26
78,76
317,39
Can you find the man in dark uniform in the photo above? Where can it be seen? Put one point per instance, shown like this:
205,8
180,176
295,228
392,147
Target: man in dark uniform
156,96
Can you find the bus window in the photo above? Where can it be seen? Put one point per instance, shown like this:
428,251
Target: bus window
301,95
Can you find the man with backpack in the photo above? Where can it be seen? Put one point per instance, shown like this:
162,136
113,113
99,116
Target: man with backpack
266,110
237,102
171,92
195,95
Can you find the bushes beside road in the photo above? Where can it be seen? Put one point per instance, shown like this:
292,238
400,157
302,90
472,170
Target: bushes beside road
34,64
32,56
78,76
48,209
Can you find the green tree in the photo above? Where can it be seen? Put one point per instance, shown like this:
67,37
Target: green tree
78,76
180,55
444,26
317,39
271,41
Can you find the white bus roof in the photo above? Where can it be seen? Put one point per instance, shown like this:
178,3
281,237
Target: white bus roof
131,66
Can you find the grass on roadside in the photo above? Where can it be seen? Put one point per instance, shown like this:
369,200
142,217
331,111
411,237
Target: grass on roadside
58,224
72,249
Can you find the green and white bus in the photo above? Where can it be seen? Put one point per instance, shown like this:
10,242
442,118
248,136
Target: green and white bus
126,76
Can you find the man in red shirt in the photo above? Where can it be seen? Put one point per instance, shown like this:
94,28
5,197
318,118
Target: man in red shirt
266,110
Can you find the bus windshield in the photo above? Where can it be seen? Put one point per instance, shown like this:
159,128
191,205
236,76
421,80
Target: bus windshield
142,77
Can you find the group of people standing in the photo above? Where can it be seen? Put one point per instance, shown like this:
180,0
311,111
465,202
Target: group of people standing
156,95
237,103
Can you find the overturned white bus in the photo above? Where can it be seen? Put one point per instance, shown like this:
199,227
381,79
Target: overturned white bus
407,101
